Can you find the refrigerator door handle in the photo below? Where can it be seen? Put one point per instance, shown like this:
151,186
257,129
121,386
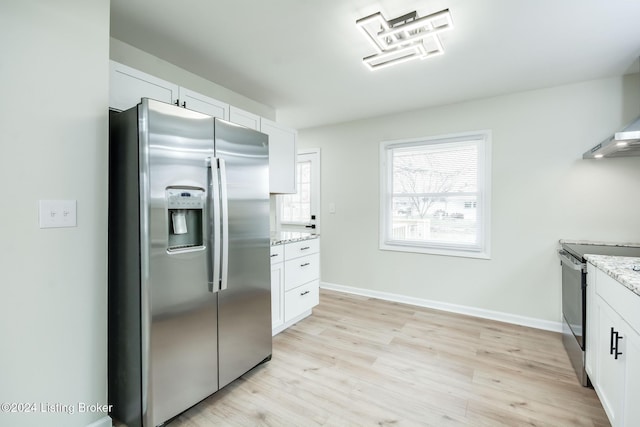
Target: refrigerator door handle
225,224
214,224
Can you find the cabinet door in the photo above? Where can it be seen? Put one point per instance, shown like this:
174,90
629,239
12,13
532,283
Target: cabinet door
302,248
282,157
301,299
128,86
277,295
609,382
203,104
301,270
244,118
632,377
590,335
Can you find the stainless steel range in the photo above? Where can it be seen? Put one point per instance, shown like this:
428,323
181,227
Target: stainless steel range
574,297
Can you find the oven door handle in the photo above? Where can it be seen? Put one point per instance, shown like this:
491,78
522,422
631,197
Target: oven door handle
570,262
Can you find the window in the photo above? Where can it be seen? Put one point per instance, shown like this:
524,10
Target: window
299,211
435,195
296,208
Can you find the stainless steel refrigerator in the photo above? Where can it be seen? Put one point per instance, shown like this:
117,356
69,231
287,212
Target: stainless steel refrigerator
189,274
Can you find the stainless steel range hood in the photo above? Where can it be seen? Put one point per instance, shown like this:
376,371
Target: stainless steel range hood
623,143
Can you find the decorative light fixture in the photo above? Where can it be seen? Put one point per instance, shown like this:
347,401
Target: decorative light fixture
404,38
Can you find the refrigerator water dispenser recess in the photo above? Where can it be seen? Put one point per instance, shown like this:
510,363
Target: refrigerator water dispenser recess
185,211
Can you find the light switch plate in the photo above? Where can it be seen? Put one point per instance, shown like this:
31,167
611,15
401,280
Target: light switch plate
57,213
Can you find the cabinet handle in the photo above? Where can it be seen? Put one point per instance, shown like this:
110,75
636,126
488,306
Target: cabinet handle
177,102
184,104
612,340
617,353
304,265
615,341
304,293
305,248
274,255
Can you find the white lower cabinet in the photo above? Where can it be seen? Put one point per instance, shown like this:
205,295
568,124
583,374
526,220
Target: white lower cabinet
295,282
609,369
301,299
613,347
277,286
301,270
632,384
592,314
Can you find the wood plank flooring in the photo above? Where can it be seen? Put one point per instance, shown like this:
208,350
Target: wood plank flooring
359,361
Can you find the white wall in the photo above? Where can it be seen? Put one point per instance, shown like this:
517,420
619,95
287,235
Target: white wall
542,191
133,57
53,116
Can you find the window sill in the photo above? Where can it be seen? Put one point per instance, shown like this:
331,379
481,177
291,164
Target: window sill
407,247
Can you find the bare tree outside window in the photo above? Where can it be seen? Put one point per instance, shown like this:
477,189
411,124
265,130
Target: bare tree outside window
429,173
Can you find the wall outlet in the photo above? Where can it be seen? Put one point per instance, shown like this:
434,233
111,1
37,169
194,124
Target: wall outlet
57,213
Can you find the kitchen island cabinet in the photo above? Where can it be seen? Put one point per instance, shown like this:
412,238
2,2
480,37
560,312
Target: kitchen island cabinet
613,336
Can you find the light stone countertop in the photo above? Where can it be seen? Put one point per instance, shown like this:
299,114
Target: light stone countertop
620,268
283,237
592,242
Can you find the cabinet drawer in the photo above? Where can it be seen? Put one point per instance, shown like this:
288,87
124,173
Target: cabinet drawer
301,248
621,299
301,299
301,270
277,254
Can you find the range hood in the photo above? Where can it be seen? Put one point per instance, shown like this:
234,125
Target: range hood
623,143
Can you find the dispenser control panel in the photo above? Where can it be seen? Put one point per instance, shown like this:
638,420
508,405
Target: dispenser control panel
185,222
180,198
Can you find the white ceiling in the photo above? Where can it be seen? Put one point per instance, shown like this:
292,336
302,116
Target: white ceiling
304,57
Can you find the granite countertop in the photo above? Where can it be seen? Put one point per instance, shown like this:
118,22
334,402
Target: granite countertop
591,242
620,268
282,237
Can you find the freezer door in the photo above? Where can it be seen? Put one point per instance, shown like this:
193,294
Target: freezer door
244,303
179,310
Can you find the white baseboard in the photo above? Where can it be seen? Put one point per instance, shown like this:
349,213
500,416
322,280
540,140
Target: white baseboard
453,308
102,422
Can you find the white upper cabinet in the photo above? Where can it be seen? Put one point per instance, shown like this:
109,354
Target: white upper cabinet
244,118
282,157
128,86
197,102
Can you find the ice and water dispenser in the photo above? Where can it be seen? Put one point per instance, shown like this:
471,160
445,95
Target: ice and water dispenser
185,210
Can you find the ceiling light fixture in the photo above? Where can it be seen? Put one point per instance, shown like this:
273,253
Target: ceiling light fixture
404,38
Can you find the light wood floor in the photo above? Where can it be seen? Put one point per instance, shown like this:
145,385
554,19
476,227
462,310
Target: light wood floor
359,361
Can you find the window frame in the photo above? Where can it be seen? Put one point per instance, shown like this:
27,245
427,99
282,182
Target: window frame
482,249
